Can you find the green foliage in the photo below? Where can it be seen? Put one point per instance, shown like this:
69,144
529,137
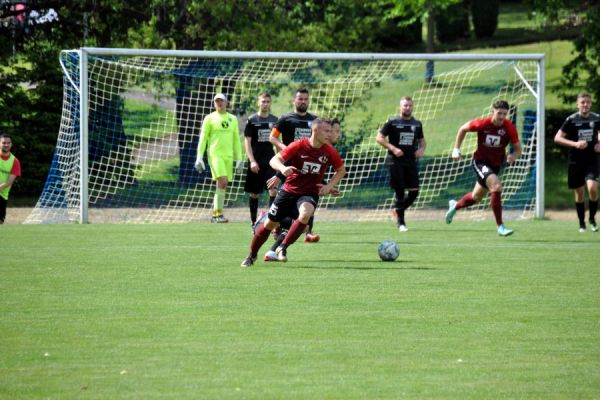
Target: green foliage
484,14
453,23
165,311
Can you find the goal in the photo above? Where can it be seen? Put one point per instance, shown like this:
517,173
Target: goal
131,122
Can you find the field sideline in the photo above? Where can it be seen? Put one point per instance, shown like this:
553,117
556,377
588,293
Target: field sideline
165,311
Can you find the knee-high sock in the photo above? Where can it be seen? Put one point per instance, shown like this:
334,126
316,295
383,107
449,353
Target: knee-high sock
496,203
399,199
580,207
311,222
259,238
466,201
253,204
294,233
593,205
399,206
219,201
410,199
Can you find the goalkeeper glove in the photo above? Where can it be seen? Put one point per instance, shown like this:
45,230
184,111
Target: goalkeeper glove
456,152
199,165
239,166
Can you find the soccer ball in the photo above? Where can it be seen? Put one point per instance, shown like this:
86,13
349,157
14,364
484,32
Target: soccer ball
388,250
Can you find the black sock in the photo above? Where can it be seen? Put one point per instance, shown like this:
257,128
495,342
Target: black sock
593,205
580,207
410,199
253,203
311,221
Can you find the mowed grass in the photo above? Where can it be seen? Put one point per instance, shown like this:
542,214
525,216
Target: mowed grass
165,311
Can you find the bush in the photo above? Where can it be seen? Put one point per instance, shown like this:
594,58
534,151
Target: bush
484,14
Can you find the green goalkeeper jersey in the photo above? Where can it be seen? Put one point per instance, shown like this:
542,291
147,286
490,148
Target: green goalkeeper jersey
220,137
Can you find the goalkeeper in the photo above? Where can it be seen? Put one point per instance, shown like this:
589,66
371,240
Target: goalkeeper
220,139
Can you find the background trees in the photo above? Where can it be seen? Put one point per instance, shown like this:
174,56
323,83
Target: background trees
31,79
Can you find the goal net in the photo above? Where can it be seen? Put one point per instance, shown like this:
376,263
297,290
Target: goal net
131,122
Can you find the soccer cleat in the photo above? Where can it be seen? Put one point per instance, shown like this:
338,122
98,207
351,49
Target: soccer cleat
593,226
402,228
504,231
311,238
281,254
271,256
248,261
451,211
219,219
582,228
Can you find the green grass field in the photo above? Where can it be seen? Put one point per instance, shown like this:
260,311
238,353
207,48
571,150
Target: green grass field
165,311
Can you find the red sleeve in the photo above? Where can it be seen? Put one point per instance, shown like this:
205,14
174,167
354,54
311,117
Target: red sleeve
336,160
512,132
16,168
476,124
291,150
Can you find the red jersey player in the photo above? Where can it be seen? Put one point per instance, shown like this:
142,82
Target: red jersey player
493,136
307,161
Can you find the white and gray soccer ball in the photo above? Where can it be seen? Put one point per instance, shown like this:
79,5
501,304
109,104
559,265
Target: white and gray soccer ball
388,250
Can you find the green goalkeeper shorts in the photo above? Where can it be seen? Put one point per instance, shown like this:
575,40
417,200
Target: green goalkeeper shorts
221,167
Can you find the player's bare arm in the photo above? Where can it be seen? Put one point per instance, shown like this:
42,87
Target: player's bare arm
561,139
460,137
248,146
337,177
517,151
382,141
421,150
277,163
274,139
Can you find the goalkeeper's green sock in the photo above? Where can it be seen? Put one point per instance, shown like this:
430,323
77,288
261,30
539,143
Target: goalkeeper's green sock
219,200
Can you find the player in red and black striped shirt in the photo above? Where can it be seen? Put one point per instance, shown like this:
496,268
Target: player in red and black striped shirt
304,164
494,134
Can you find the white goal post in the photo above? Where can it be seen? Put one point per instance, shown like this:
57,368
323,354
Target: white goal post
131,122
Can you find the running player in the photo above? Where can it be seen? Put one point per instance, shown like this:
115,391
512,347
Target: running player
220,138
581,133
307,160
286,223
493,136
403,137
259,151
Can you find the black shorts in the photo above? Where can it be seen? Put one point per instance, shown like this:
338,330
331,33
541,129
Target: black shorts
483,170
404,176
579,173
3,204
257,183
287,205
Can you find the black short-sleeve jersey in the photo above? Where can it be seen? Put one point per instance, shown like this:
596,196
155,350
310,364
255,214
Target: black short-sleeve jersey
259,129
404,134
294,127
578,128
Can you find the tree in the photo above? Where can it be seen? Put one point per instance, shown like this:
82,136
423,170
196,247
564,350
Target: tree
582,72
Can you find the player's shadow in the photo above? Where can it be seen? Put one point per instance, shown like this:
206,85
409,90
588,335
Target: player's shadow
391,266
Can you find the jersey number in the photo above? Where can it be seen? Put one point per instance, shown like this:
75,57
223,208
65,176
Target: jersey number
311,168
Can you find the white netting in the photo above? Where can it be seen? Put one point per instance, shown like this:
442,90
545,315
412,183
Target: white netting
145,115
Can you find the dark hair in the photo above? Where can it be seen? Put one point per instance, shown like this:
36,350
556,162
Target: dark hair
501,104
5,135
301,90
319,121
334,121
584,94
